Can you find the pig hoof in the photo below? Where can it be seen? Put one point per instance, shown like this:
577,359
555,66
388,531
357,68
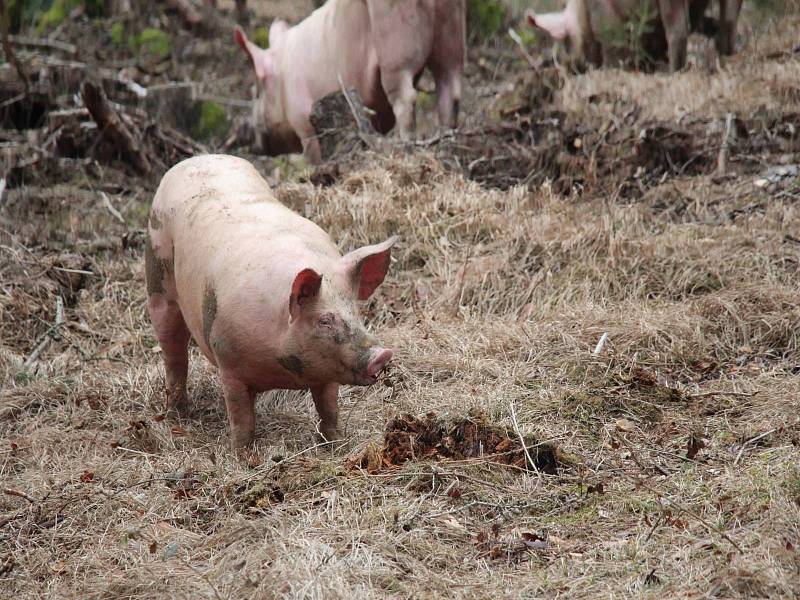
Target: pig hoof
241,442
331,434
178,409
177,405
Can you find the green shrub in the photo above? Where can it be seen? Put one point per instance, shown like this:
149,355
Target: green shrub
212,121
117,33
153,43
485,18
627,36
261,37
55,14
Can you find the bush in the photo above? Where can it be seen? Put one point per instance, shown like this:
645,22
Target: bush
212,122
485,18
153,43
261,37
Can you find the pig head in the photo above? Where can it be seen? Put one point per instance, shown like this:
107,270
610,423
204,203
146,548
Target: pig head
273,133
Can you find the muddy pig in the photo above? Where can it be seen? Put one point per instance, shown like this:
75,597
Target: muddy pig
264,292
378,47
586,27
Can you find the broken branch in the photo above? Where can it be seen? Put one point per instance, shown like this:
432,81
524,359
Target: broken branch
112,124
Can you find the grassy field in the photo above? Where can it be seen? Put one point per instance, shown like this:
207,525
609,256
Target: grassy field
678,437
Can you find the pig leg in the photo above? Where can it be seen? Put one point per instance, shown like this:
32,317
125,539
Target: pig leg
399,88
448,94
240,403
171,331
300,122
173,337
728,16
326,400
675,17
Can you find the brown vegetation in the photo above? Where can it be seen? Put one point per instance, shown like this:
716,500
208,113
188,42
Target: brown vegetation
671,449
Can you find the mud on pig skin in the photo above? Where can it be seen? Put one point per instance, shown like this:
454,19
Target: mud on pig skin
264,292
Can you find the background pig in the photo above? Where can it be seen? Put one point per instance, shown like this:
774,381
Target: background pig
379,47
264,292
581,26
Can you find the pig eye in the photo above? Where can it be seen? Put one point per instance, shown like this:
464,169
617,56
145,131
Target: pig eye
326,320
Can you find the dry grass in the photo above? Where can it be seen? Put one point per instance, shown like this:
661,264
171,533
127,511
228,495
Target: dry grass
495,302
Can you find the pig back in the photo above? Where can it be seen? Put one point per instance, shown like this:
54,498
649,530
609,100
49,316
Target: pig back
232,240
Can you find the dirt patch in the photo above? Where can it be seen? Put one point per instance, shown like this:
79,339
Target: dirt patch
409,438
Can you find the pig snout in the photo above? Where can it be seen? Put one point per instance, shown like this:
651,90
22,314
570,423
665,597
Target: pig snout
378,360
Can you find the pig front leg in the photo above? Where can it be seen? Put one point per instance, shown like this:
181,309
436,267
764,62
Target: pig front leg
675,17
300,122
399,88
726,34
240,404
326,401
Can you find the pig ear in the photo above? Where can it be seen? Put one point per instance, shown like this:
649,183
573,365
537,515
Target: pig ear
276,31
305,290
367,266
556,23
259,56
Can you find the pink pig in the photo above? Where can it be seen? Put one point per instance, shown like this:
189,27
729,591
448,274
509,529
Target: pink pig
583,24
264,292
378,47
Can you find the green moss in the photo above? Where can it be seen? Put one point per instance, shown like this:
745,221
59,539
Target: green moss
261,37
212,122
55,15
153,43
485,18
117,33
425,100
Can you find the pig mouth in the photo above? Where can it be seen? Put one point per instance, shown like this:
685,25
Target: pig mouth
277,140
377,364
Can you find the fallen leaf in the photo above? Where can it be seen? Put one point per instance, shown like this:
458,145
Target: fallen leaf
153,547
171,549
178,430
86,476
624,425
455,493
596,488
59,567
694,445
451,522
652,578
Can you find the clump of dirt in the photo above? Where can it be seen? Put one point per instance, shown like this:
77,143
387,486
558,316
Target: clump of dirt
410,438
341,123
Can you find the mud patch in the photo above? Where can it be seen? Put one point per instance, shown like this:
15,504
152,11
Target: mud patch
155,220
209,312
291,363
431,437
155,269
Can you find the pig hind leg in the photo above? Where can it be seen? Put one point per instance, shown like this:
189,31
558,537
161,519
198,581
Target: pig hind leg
173,336
675,17
448,97
726,34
